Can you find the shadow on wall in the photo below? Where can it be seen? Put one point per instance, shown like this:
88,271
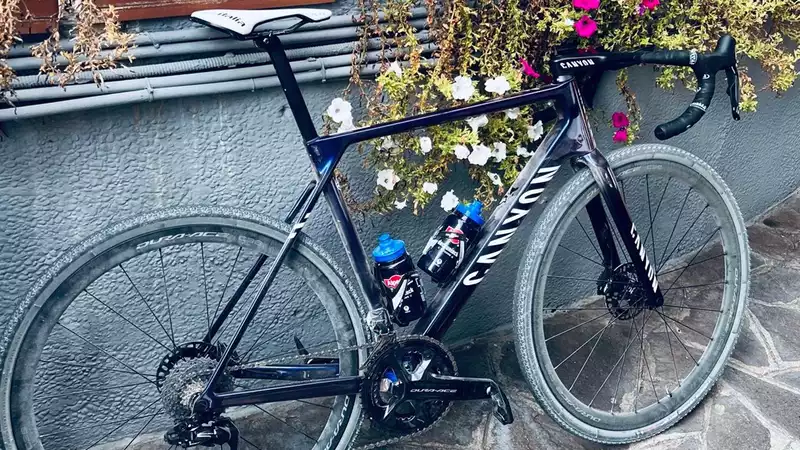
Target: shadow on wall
65,177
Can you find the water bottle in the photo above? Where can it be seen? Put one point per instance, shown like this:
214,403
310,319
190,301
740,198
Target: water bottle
400,283
446,248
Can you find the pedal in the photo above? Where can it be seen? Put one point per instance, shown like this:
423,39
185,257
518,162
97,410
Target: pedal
502,408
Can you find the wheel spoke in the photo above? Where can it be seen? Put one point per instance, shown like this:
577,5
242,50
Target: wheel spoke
166,292
140,431
74,430
249,443
256,345
126,422
589,239
693,257
625,352
602,332
665,305
285,423
653,217
687,326
314,404
126,319
661,265
94,389
578,325
205,286
646,364
692,264
582,256
674,226
227,282
671,352
148,305
679,339
105,352
587,279
99,368
650,213
691,286
290,353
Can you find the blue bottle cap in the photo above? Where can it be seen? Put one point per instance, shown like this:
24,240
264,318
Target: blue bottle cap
472,211
388,249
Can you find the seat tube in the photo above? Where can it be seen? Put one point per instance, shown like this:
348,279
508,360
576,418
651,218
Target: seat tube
272,44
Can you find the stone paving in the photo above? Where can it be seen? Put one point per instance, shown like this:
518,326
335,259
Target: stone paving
755,405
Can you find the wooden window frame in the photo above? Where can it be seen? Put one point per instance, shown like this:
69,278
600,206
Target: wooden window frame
38,15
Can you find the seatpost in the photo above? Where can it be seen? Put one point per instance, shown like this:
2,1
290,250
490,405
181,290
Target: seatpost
272,44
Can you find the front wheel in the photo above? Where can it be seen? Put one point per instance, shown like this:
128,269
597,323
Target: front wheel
602,363
107,347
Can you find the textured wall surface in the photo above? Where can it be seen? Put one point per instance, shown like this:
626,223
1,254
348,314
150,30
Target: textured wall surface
64,177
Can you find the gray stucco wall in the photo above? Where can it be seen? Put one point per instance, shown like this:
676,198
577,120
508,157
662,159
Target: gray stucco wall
64,177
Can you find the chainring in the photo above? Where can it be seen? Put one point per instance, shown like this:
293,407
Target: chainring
419,356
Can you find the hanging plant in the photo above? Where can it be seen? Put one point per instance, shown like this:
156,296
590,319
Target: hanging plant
490,48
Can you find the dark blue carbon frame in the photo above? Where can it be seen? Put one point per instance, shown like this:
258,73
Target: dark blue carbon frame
570,141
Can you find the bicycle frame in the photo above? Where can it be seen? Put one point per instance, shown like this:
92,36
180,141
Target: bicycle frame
570,140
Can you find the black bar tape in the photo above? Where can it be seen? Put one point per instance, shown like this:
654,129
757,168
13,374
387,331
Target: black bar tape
693,113
670,57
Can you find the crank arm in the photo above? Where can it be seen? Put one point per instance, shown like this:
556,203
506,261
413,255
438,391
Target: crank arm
445,387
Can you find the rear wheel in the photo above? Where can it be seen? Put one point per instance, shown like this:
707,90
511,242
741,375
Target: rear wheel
604,365
85,364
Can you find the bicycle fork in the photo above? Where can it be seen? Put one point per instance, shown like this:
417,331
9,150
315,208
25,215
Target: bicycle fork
631,240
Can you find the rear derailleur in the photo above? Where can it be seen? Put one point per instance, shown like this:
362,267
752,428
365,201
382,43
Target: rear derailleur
214,433
412,381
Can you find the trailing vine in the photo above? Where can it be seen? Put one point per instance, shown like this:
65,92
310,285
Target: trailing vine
490,48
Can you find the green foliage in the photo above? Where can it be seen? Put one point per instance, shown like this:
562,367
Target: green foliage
485,41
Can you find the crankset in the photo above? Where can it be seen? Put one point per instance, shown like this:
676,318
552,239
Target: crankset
411,382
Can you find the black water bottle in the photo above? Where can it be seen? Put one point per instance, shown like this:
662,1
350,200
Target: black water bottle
446,248
400,283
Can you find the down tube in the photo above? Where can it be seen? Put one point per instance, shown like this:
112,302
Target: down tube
497,232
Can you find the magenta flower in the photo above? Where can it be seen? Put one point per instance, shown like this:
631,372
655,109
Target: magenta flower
650,4
619,120
528,70
586,4
585,27
621,135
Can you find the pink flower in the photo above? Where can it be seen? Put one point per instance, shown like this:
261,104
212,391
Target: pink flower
621,135
619,120
528,69
585,27
586,4
650,4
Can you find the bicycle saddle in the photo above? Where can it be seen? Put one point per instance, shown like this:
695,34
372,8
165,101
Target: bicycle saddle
241,23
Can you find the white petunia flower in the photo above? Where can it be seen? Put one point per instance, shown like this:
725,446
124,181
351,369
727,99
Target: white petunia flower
498,85
449,201
462,88
425,144
536,131
346,125
388,143
512,113
429,187
387,178
476,122
340,110
395,69
480,155
400,205
523,151
499,151
461,151
495,179
569,22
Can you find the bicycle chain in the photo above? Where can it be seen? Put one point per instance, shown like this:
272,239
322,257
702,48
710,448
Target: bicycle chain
382,341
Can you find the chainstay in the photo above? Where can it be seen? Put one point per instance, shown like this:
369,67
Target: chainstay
382,341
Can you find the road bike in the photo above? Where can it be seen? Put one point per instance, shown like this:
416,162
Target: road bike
209,326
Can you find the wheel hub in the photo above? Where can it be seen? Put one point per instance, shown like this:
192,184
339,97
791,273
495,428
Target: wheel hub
624,295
